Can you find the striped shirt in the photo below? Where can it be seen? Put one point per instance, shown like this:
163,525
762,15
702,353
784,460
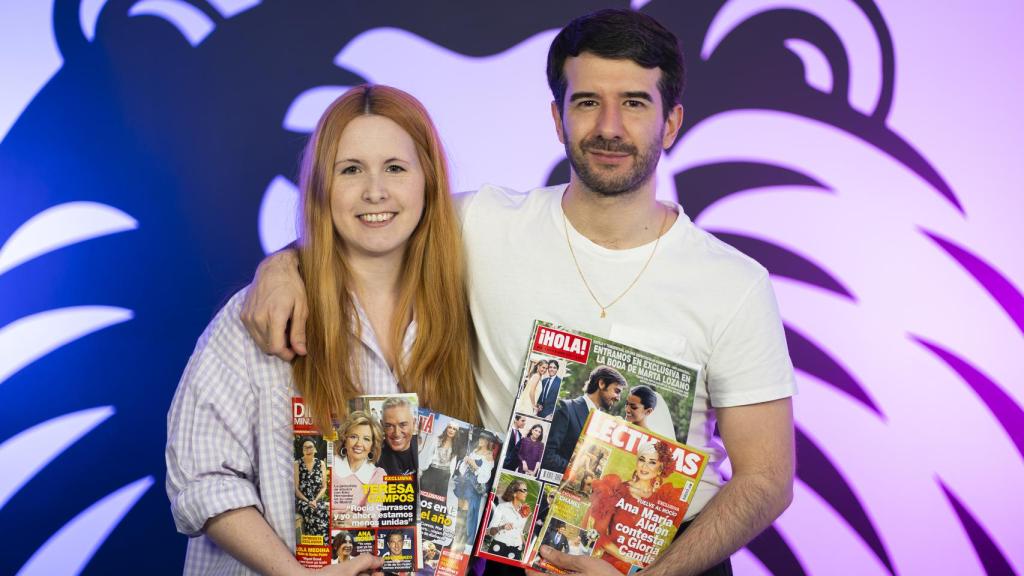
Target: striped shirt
229,433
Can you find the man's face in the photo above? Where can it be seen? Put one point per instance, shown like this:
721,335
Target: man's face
520,422
552,370
395,544
398,427
612,123
608,394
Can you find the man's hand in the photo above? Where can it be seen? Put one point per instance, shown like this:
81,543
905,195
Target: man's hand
575,564
275,309
362,564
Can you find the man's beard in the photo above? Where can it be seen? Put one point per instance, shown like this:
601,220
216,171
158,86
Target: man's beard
644,165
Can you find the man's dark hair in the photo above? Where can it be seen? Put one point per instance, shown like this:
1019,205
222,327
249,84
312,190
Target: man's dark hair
619,34
555,362
605,374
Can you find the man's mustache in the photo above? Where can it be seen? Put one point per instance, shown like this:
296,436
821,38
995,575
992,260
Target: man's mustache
600,144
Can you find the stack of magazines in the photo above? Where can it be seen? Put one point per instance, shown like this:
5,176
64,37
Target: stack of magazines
393,480
595,461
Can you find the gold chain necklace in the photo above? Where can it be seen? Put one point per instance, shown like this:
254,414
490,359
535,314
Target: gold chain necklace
604,307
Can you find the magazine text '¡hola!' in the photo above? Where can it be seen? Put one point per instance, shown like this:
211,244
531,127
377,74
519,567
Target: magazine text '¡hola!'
608,429
389,493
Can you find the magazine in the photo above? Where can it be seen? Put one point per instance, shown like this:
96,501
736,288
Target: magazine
357,493
629,511
566,374
456,469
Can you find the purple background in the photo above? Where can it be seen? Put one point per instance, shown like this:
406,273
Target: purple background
867,153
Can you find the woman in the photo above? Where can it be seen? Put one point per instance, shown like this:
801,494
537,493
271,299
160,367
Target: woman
615,504
507,522
343,547
527,403
310,487
355,468
474,472
436,477
380,252
530,450
639,404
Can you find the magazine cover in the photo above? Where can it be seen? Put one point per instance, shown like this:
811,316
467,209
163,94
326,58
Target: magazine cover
457,465
627,512
314,458
356,490
566,374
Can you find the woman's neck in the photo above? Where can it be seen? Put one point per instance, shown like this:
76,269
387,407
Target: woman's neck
376,283
354,465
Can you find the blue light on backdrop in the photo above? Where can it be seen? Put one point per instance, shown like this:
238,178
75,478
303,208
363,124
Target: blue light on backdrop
865,152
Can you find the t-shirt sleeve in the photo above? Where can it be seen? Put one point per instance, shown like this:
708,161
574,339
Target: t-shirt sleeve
463,201
210,450
749,361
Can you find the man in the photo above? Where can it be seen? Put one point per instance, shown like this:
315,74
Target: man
624,265
604,388
398,455
393,552
557,538
511,461
549,391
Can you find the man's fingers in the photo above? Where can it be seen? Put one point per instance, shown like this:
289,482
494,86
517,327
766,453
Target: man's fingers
297,335
560,559
274,331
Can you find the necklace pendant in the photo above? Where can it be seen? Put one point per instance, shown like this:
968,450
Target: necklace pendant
602,313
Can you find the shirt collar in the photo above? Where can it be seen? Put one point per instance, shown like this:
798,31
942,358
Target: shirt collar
364,473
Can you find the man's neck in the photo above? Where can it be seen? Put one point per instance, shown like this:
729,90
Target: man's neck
617,222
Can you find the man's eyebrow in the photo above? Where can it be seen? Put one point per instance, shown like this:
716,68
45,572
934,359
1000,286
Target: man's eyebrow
639,94
582,96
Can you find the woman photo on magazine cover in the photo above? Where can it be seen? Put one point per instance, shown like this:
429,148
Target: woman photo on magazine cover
644,409
505,530
311,491
343,547
646,486
438,454
359,446
527,403
474,473
531,448
382,260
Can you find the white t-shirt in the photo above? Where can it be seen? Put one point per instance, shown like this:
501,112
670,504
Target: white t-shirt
700,301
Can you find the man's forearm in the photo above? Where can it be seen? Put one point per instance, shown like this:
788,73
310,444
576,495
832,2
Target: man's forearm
744,507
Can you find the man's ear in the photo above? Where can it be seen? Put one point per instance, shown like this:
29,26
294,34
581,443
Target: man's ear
673,124
557,117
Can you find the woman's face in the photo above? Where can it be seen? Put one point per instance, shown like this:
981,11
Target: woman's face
451,431
346,548
647,465
377,189
635,411
520,493
358,442
535,433
308,449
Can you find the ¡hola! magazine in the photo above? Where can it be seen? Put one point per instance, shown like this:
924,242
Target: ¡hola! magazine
566,375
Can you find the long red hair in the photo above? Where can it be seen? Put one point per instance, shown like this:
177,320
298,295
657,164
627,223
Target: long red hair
432,287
